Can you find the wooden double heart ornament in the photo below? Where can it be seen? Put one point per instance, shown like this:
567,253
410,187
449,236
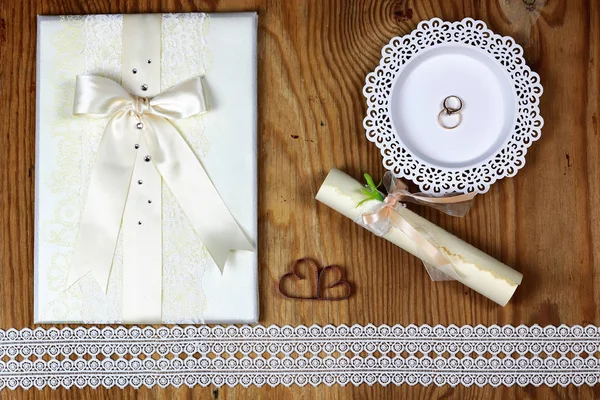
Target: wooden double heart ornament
307,281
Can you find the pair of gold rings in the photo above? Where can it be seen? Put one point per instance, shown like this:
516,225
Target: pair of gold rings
450,116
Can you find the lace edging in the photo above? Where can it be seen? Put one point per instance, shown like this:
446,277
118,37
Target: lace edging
260,355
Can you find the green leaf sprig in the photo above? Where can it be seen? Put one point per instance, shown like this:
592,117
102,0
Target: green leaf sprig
371,190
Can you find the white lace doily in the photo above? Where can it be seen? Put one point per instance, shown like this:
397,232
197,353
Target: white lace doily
502,161
259,355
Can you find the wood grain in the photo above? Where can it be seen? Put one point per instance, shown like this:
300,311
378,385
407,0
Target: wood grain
313,57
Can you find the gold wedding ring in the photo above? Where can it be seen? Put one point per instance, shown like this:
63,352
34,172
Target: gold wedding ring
449,121
450,117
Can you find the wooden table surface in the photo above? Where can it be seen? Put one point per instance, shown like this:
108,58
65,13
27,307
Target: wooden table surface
313,57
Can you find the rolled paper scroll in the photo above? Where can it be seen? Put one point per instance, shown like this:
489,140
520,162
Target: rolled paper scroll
474,268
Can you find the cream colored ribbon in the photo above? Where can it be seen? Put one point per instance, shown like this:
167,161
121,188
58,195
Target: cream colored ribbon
133,119
142,246
386,214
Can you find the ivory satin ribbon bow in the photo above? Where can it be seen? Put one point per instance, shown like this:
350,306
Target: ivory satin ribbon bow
134,119
385,215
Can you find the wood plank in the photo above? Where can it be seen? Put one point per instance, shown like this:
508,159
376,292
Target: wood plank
313,57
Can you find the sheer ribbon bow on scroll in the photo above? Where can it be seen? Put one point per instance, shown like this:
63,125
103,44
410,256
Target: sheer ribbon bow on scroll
386,214
133,119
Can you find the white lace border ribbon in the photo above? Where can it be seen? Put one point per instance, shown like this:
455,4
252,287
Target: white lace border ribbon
330,355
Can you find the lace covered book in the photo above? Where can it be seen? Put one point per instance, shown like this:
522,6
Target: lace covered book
190,287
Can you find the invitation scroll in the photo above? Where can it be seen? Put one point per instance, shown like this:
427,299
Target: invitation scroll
473,267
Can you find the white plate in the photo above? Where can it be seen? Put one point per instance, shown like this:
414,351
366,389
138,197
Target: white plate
499,118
